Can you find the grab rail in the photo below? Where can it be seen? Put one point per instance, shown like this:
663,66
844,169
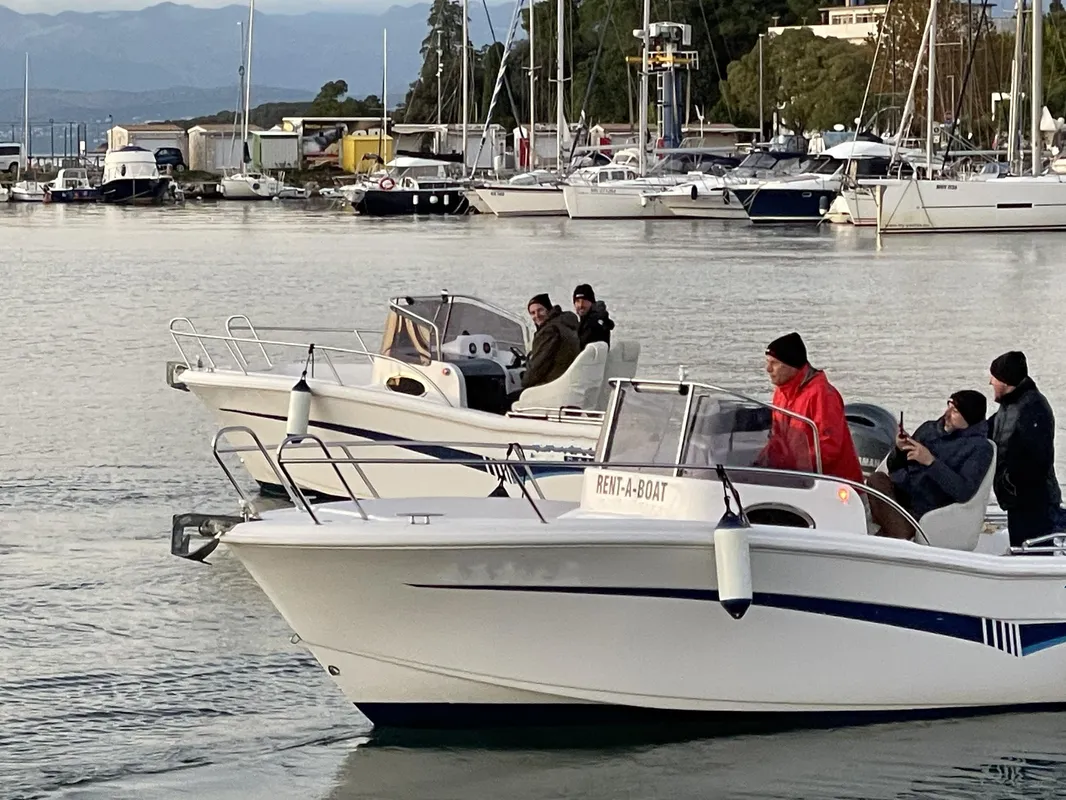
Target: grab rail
232,342
507,463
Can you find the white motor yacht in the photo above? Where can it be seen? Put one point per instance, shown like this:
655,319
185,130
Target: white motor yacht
633,604
540,194
448,369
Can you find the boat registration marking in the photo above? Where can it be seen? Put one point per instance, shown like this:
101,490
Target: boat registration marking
639,488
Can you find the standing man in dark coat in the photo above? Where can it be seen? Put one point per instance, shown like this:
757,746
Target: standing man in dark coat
1023,431
555,344
596,325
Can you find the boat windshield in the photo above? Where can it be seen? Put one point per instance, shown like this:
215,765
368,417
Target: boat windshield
662,424
416,327
824,165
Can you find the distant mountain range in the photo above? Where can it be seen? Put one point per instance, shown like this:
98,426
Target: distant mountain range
127,63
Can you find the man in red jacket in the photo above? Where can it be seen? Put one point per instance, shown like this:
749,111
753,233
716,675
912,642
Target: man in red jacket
804,390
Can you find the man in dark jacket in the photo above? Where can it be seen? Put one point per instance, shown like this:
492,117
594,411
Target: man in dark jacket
555,344
1023,431
596,325
944,462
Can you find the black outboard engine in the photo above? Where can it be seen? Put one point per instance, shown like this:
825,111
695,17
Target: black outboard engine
873,430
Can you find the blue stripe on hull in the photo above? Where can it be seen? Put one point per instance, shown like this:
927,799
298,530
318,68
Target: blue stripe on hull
1032,636
550,469
614,719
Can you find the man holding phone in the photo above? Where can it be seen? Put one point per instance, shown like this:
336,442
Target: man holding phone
943,462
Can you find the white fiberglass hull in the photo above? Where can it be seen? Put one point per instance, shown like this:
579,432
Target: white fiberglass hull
611,202
363,413
238,187
945,206
462,622
27,192
523,201
719,204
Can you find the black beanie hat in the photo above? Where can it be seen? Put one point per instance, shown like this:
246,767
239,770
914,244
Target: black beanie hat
971,405
583,290
1010,368
540,300
789,349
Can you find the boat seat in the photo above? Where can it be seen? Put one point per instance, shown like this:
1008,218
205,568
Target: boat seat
621,363
958,526
578,387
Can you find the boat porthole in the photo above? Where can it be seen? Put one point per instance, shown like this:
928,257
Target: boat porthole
806,194
255,187
333,670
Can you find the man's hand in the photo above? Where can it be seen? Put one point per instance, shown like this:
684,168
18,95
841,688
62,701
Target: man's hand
918,452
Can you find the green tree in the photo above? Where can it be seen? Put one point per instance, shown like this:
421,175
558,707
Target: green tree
446,31
813,82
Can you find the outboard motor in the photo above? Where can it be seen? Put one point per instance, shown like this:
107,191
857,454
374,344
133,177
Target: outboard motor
873,430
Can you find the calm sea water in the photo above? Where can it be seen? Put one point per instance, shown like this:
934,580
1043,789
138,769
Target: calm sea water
127,673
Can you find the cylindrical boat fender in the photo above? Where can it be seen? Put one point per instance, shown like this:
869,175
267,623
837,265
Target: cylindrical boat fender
694,192
299,409
732,561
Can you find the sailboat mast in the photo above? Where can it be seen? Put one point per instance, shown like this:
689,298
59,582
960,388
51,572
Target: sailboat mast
1015,86
25,157
384,92
560,114
248,76
1036,92
642,153
930,92
532,89
465,79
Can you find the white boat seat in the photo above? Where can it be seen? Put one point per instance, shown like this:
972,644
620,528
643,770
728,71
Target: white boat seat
621,363
957,526
578,387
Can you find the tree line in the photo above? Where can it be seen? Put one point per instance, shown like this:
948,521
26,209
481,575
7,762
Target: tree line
811,82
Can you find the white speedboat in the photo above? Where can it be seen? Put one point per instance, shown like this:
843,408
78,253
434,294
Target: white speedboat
622,199
250,186
447,369
633,604
710,196
540,194
28,191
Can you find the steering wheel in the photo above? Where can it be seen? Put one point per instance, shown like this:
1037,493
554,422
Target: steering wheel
520,359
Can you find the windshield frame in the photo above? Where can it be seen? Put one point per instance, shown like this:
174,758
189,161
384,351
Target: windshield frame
692,390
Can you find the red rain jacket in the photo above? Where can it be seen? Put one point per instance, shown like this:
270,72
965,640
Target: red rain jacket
791,445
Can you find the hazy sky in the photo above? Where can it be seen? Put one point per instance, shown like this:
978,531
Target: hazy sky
286,6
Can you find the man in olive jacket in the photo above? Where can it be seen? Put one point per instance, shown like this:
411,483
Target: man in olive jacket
555,344
1023,431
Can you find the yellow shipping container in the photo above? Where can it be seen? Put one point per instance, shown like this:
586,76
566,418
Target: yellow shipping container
355,146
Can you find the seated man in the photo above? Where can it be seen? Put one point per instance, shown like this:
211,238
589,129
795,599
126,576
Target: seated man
596,324
555,344
804,390
944,462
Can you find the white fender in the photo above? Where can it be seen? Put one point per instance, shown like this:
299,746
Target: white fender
299,409
732,560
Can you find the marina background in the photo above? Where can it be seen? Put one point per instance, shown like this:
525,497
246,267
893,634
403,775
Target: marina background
126,673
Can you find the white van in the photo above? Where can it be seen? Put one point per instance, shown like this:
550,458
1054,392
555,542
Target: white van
10,155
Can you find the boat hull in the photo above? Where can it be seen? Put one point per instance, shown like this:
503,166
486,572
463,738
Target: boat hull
836,629
409,202
1005,204
240,189
76,195
767,205
355,413
608,202
706,205
523,201
135,191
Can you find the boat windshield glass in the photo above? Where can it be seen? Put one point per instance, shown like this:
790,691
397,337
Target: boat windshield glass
417,326
824,165
668,424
